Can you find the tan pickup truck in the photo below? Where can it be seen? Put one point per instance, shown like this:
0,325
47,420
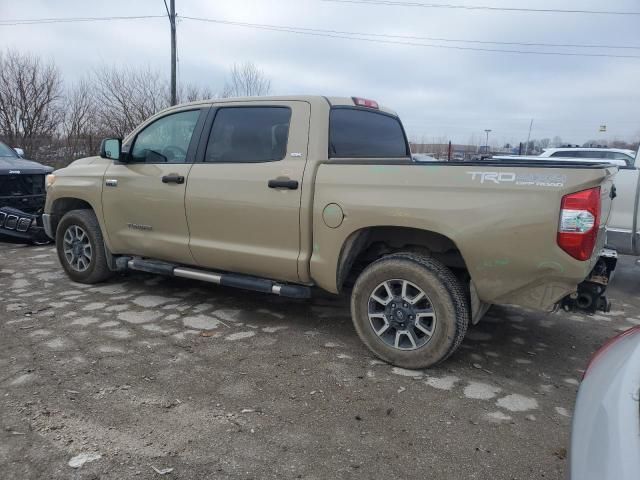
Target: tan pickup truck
282,194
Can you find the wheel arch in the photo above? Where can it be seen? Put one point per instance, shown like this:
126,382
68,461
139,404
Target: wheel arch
60,206
368,244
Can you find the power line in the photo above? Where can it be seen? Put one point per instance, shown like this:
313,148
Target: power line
438,39
481,7
37,21
361,36
354,36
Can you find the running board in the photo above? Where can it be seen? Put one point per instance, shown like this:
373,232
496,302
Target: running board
245,282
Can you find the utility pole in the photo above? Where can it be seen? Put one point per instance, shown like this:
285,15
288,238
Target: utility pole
487,131
172,21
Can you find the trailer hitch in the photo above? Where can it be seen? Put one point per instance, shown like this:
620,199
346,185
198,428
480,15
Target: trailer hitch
590,296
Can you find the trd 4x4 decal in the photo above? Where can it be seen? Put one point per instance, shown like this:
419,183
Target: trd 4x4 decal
525,179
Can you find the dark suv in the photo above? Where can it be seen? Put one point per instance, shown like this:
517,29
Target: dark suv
22,195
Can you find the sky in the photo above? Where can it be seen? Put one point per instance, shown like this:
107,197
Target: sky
440,93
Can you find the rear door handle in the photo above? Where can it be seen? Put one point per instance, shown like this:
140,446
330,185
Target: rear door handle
173,178
283,183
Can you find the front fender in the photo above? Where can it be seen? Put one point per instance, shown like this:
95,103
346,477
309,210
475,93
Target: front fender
81,181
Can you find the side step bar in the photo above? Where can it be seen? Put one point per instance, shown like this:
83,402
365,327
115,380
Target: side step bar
245,282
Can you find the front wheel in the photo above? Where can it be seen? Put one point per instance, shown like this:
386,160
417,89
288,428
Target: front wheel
410,310
80,247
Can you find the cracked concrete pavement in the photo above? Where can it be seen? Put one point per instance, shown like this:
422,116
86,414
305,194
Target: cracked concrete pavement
146,374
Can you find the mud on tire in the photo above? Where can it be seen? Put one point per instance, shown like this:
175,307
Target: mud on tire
396,281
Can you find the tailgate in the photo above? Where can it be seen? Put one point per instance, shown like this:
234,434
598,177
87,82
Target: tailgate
607,194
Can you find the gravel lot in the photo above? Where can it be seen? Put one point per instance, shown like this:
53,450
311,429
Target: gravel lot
211,382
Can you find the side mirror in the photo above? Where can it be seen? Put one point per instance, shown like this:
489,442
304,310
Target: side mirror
111,148
19,151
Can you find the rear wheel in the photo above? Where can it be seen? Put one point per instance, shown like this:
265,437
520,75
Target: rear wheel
80,247
410,310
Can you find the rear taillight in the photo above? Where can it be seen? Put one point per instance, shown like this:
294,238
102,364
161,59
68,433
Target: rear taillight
364,102
579,223
608,344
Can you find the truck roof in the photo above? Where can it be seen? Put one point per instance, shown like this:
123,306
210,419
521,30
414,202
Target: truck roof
332,101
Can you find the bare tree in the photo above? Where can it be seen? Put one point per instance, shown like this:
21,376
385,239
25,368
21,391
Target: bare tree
30,91
192,93
544,143
79,126
56,126
126,97
246,80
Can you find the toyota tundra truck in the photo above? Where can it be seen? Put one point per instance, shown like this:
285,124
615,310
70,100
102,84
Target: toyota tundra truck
283,194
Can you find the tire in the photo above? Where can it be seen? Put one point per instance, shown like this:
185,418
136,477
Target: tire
430,338
82,265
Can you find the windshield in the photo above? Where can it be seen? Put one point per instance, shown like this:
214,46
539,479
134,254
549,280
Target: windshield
6,151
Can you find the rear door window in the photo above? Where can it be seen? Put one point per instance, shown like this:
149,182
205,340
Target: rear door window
357,133
249,135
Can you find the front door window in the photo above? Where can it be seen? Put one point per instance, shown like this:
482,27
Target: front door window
166,140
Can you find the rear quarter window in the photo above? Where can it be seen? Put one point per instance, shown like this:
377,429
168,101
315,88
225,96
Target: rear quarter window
359,133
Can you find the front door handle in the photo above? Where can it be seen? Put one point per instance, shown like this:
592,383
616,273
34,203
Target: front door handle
283,183
173,178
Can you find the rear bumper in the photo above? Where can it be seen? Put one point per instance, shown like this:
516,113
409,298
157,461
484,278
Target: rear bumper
21,227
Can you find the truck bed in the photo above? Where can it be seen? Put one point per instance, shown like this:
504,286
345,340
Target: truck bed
501,216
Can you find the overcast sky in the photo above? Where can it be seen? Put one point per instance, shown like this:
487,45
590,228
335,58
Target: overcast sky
438,92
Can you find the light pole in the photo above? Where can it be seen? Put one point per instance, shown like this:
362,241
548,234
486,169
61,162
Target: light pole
487,131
